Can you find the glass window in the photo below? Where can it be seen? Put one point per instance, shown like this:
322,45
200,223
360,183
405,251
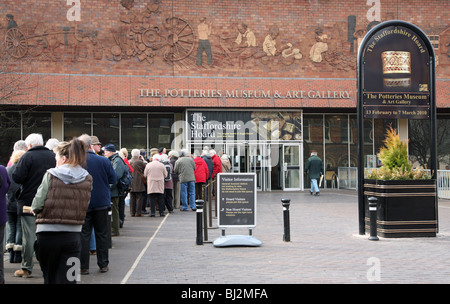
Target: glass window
353,143
336,148
76,124
10,132
37,123
134,132
106,128
316,140
160,131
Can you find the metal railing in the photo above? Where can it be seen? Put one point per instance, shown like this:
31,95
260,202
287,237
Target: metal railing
443,183
348,179
209,193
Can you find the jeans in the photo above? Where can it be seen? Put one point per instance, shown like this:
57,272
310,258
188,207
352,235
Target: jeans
15,229
187,195
314,186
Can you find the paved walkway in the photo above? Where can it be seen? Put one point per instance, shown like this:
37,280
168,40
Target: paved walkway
325,247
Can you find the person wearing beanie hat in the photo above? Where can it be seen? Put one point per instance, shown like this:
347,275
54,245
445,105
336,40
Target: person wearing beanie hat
119,168
110,148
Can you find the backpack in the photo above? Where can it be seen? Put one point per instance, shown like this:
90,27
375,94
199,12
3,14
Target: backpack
169,172
125,181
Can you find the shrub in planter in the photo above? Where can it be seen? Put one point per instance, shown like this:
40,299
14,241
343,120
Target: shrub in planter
406,205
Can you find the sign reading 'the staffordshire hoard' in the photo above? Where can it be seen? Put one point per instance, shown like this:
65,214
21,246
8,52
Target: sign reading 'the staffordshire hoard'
396,74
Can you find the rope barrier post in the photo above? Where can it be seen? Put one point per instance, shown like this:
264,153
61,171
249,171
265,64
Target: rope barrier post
205,220
210,202
199,204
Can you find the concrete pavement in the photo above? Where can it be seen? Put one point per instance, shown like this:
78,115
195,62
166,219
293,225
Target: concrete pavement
325,247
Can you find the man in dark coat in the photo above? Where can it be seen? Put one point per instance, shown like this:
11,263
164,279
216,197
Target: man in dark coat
103,174
315,166
29,173
207,158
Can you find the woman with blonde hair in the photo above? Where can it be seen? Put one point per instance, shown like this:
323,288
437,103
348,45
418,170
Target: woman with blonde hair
14,240
60,206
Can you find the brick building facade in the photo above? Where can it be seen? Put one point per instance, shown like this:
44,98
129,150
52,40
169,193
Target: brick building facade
139,59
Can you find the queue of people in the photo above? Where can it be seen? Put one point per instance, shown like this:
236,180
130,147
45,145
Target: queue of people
59,196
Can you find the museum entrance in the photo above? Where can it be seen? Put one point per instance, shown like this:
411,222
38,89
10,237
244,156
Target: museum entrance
278,166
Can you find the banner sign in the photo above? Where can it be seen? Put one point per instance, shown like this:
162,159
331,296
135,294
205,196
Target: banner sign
395,74
244,125
236,197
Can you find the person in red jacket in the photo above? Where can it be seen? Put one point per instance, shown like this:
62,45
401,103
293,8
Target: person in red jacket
217,168
201,175
217,164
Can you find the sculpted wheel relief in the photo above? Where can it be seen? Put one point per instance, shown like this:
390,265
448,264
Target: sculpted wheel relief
148,37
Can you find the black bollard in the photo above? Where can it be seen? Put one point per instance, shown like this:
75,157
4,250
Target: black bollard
287,234
199,205
373,218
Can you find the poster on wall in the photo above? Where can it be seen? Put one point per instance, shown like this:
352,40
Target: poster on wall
396,75
244,125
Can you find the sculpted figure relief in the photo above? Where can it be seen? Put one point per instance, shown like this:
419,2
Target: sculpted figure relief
147,36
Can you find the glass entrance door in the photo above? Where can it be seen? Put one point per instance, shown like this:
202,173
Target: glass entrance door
277,166
250,158
292,171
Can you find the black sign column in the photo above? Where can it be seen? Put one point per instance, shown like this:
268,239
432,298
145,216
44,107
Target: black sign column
396,80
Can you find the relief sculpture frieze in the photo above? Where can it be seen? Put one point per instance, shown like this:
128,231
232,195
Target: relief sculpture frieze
151,36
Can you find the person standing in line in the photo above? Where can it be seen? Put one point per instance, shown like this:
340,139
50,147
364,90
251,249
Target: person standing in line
103,174
137,188
96,145
217,168
5,183
60,207
173,156
119,168
14,240
168,183
185,168
52,143
155,172
29,173
18,145
315,167
217,164
123,153
226,165
207,158
145,196
201,175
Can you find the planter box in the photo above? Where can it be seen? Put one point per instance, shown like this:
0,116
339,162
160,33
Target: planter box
405,208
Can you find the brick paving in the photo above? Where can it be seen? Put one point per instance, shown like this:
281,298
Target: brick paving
325,247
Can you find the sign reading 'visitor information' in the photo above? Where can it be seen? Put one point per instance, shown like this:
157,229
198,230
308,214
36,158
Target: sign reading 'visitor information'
396,75
236,196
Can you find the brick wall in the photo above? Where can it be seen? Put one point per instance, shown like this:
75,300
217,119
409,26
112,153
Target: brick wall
111,39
